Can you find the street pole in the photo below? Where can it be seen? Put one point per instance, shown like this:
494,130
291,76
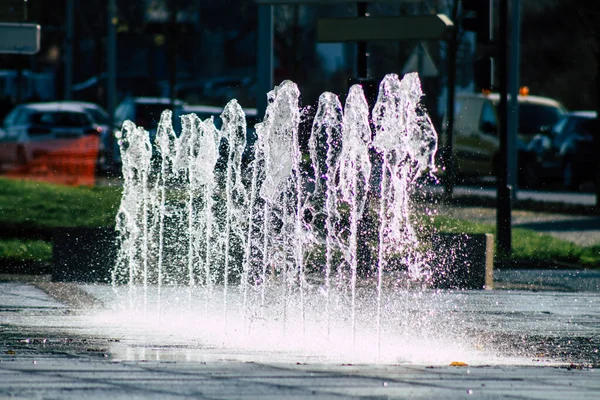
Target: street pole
513,103
362,61
504,198
448,158
68,84
264,65
172,33
111,75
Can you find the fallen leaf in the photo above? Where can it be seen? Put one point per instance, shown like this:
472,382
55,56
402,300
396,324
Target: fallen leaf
458,364
11,352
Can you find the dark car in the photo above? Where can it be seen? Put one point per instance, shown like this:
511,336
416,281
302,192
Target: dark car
146,111
567,153
477,140
204,111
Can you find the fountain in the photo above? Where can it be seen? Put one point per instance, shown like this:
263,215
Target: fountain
302,254
317,251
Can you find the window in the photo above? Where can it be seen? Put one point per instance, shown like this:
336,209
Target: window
122,112
65,119
534,118
488,122
98,116
12,117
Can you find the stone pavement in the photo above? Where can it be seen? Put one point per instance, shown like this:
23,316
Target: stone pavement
26,377
42,356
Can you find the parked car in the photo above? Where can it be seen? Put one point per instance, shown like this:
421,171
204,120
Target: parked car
35,129
476,141
567,153
146,111
108,161
204,112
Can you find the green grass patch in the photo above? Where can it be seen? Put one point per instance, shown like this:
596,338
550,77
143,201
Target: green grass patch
25,250
31,204
527,245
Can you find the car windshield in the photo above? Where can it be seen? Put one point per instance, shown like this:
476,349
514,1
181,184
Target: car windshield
533,118
582,125
60,118
98,116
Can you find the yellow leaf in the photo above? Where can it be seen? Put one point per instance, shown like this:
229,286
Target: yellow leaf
458,364
10,352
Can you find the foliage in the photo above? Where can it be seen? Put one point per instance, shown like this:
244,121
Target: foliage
26,204
528,245
25,250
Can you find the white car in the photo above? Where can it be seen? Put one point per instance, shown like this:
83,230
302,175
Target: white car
476,142
35,129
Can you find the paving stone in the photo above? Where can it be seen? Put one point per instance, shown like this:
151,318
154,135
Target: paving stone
46,352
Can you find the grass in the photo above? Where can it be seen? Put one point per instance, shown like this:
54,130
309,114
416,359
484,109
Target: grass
17,250
30,209
27,206
528,245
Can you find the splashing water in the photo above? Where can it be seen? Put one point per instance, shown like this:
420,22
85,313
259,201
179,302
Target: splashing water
305,244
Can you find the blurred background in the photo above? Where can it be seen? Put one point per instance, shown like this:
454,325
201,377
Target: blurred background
204,53
213,45
101,62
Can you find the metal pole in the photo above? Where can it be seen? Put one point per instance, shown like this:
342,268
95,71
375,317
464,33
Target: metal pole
362,64
448,158
264,65
69,50
111,75
172,33
504,199
513,104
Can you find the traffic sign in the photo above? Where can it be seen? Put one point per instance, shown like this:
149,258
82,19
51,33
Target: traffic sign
418,27
18,38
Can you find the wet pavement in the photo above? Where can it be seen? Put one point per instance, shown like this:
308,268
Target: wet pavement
93,379
51,349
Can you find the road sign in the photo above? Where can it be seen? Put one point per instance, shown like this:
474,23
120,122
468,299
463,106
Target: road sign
19,38
418,27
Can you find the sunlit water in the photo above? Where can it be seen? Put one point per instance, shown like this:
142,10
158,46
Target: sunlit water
284,255
474,327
